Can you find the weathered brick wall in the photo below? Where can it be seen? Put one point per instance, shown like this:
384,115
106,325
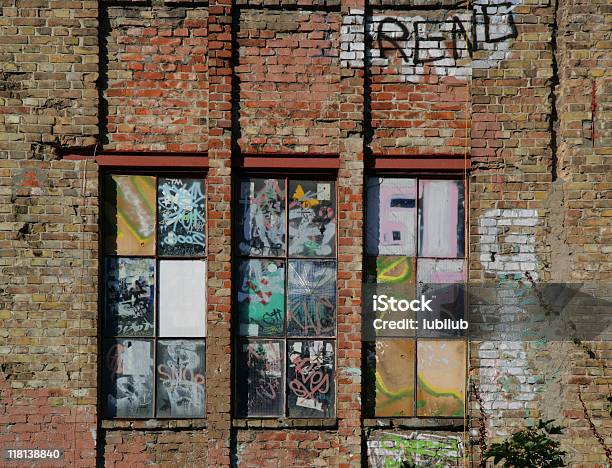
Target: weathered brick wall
155,83
49,56
48,307
303,77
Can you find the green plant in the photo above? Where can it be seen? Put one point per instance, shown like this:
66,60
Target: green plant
529,447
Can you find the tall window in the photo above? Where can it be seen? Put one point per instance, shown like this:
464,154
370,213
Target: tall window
154,313
415,246
285,297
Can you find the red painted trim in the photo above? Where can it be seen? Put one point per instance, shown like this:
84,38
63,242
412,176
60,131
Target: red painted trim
303,161
418,163
154,159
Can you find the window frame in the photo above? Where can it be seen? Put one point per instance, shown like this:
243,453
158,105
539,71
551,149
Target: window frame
188,167
281,171
412,168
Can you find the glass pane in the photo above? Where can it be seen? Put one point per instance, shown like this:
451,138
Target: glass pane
441,378
129,210
392,366
261,219
182,298
391,216
130,295
441,223
311,299
261,297
260,387
312,219
181,217
128,378
180,379
310,379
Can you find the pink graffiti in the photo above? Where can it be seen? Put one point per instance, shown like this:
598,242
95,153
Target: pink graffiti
309,379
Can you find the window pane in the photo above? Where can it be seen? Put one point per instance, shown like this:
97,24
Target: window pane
261,297
130,294
130,215
180,379
391,216
312,219
441,230
311,298
442,282
261,219
181,217
392,366
441,378
310,379
182,298
260,387
128,378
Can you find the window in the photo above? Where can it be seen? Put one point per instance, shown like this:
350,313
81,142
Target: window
154,287
285,297
415,245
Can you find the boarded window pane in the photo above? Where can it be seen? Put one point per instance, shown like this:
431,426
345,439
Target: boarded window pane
442,282
130,295
391,216
128,388
312,219
441,223
261,297
182,298
391,270
130,215
310,379
393,377
311,298
260,387
441,378
180,379
261,221
181,217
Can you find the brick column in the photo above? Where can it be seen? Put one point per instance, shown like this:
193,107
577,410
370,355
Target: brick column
350,239
218,368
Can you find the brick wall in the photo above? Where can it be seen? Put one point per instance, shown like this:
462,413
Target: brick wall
528,81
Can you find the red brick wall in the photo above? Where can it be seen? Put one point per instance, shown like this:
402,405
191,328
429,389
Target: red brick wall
156,91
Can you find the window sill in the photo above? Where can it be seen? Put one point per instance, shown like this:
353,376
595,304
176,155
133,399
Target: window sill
283,423
451,424
153,424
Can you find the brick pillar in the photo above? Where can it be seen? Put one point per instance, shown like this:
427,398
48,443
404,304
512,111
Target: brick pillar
350,241
218,368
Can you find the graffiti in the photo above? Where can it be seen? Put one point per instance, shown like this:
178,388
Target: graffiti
129,391
261,297
393,270
310,378
393,362
311,298
181,216
180,379
130,215
262,224
507,242
312,219
391,216
444,43
130,284
32,180
259,382
389,450
441,218
441,378
182,298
